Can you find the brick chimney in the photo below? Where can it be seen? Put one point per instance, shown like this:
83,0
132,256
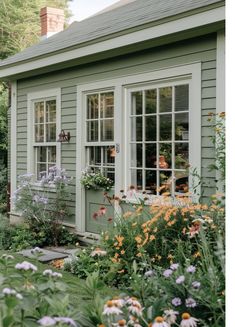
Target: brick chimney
52,21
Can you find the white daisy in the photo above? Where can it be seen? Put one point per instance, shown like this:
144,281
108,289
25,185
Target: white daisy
188,321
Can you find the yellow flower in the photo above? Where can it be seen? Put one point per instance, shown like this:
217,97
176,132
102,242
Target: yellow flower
197,254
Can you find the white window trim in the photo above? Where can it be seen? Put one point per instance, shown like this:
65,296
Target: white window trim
120,86
31,98
13,147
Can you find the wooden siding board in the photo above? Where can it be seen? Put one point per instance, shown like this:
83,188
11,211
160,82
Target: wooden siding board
178,54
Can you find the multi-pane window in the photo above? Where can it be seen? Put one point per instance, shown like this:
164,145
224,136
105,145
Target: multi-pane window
44,136
100,148
159,145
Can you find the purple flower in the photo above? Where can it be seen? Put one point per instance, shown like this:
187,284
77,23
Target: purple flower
66,320
191,269
174,266
180,280
176,301
26,266
190,303
149,273
43,200
196,284
167,273
47,321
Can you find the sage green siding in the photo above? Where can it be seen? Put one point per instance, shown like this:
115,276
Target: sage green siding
201,49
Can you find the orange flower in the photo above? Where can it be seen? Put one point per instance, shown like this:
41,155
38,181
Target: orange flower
122,252
138,239
152,237
128,214
120,239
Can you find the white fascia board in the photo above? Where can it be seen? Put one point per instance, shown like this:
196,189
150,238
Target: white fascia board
178,25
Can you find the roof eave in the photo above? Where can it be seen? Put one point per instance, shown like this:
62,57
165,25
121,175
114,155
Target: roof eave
186,23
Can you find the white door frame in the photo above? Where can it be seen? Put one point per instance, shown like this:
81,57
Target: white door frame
120,87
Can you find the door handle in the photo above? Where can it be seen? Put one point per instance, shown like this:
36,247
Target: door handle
117,147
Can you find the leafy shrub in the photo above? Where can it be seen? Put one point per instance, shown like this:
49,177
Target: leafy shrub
95,180
154,237
44,206
3,188
31,298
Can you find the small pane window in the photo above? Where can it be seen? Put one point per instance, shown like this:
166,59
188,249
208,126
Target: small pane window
100,117
159,144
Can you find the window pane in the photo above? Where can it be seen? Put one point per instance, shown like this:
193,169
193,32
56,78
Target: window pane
137,178
92,106
39,112
181,155
181,182
165,127
136,155
165,99
51,111
41,170
51,132
107,130
39,133
110,173
41,154
51,154
109,155
150,155
107,105
181,126
92,133
181,97
151,181
165,180
150,128
150,101
136,129
95,156
165,151
136,103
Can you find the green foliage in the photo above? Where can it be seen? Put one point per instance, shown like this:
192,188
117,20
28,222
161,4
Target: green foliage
44,211
28,295
20,23
95,181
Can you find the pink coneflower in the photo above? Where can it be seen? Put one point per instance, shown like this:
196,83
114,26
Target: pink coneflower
118,302
98,252
159,322
170,316
188,321
135,309
111,309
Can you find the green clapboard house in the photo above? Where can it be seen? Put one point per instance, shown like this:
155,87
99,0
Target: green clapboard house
133,85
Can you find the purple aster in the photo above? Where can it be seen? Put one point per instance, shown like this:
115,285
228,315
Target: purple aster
180,280
190,303
47,321
176,301
66,320
196,284
191,269
26,266
174,266
167,272
149,273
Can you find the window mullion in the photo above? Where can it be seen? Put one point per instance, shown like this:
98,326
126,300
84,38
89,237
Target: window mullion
158,137
143,142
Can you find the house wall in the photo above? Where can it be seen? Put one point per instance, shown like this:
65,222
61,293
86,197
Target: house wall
201,49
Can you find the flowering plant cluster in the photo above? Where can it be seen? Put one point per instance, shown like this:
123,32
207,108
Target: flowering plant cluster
95,180
43,209
29,297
